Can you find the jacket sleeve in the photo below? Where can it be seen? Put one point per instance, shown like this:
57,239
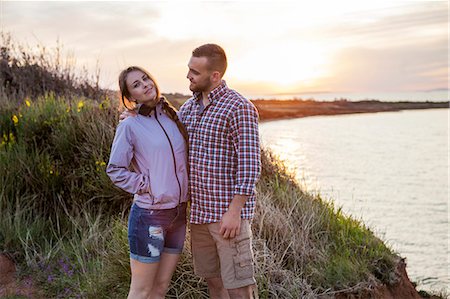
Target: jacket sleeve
245,138
122,152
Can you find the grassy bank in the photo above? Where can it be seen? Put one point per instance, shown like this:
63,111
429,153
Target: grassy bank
65,224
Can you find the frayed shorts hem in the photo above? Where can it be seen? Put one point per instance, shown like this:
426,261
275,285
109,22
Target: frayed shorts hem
154,259
145,259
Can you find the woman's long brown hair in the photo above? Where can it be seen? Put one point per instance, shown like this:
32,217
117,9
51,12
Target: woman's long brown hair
167,107
172,113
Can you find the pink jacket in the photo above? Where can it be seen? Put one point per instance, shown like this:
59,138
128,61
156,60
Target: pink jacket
156,150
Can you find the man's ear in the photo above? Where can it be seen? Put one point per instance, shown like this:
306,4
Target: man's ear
216,76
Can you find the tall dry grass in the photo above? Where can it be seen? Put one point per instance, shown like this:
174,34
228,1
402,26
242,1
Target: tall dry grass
35,70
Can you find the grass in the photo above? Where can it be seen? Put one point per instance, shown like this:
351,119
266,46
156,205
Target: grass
65,224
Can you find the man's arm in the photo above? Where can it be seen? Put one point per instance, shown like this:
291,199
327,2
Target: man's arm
245,137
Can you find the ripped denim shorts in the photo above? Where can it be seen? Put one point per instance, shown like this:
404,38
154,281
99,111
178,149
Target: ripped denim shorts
151,232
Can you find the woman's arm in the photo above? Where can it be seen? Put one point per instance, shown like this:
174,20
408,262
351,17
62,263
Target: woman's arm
122,152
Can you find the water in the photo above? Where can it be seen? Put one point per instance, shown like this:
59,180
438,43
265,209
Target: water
388,169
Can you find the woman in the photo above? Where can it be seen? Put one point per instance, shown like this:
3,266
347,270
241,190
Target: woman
154,144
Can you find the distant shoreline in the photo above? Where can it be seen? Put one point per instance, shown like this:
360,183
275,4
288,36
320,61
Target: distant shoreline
284,109
273,109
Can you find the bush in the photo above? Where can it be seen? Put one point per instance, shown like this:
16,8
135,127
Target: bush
59,150
35,71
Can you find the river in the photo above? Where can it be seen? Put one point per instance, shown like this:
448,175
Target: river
391,170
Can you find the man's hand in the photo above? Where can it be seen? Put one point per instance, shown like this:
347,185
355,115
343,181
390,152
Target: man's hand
230,224
127,113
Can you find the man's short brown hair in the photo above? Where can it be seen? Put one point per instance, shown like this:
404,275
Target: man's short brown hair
217,59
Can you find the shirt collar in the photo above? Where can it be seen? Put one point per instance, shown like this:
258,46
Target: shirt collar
215,94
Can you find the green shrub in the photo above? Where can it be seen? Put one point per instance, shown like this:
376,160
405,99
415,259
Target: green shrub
56,151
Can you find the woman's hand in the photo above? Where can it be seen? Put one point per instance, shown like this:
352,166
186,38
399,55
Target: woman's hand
127,113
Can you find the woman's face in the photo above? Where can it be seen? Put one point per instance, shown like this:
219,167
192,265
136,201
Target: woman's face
141,88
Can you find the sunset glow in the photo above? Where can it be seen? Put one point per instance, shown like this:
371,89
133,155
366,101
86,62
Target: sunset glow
272,47
291,63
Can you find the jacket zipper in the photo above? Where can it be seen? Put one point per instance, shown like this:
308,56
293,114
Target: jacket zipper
173,155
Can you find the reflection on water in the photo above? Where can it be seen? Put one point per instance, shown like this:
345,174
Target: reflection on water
390,169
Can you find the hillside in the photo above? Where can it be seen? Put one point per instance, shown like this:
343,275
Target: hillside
64,223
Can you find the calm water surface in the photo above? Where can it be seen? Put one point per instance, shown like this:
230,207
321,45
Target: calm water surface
388,169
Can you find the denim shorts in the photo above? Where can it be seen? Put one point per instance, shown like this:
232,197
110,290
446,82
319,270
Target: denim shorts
151,232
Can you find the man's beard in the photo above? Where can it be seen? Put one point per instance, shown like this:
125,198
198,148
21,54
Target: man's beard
201,87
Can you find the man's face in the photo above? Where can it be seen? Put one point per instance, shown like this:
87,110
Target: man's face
199,75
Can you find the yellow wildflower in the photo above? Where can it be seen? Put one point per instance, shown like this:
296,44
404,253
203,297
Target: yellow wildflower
15,119
80,106
27,102
100,165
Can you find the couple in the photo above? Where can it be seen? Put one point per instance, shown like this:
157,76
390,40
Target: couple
220,129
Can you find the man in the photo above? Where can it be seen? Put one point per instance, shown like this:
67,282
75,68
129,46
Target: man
224,157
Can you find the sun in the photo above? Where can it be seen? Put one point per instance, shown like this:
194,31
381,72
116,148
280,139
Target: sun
283,65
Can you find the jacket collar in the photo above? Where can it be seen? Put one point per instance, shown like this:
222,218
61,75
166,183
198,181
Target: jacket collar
147,111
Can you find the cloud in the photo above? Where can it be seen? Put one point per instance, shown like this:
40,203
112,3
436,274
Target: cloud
106,32
420,67
351,40
86,24
398,24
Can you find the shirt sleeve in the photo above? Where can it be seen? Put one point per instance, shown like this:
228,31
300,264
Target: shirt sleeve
245,138
119,163
182,112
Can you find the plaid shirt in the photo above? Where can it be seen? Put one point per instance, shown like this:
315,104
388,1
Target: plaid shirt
224,153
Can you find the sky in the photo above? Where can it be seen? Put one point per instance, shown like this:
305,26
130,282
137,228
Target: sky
273,47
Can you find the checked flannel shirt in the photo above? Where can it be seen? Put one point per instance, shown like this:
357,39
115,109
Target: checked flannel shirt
224,153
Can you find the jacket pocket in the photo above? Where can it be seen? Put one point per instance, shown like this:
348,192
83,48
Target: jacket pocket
149,189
